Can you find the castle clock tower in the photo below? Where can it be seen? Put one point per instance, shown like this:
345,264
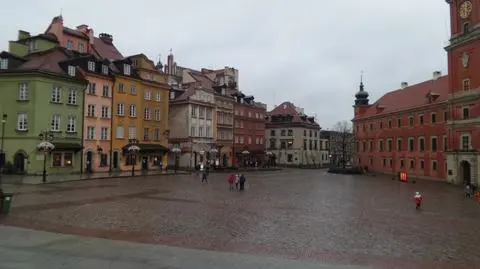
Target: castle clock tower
463,122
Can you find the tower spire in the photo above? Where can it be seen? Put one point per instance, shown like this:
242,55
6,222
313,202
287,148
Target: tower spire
361,81
361,97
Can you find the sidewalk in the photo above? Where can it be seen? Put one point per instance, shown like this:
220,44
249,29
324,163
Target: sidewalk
33,180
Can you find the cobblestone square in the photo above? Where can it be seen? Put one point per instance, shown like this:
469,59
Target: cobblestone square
307,215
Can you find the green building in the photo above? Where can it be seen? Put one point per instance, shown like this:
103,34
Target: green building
40,92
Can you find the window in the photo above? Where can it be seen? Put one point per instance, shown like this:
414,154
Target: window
126,69
193,131
69,44
402,163
62,159
200,131
23,91
91,66
106,91
433,118
55,123
156,134
399,144
422,164
421,144
466,84
389,123
290,132
434,166
466,27
103,160
104,133
445,115
399,123
146,132
81,48
209,113
132,132
172,95
133,111
105,112
22,123
410,120
105,69
272,132
208,131
381,125
290,158
3,63
56,94
56,159
305,131
71,124
412,164
120,109
147,113
121,88
380,145
411,145
465,142
32,45
421,119
445,143
434,144
120,132
72,96
134,62
90,110
71,70
389,145
133,90
158,96
157,114
194,111
147,95
370,145
91,88
282,133
90,132
466,113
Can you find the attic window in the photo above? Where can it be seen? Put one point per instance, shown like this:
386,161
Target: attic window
284,106
91,66
172,95
105,69
71,70
3,63
134,62
126,69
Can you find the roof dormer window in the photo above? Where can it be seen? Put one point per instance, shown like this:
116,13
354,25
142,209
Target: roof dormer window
105,69
91,66
126,69
71,70
3,63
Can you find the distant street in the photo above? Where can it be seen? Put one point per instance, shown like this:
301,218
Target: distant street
296,218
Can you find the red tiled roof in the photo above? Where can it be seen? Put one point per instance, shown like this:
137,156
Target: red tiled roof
106,50
288,108
201,78
46,60
410,97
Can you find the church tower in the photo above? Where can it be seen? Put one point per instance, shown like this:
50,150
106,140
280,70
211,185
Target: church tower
361,100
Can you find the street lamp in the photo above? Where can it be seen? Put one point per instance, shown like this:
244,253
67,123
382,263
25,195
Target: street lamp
46,145
176,151
133,149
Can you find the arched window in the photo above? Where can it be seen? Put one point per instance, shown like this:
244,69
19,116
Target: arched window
466,27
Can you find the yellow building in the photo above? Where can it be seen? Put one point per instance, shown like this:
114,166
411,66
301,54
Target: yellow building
140,101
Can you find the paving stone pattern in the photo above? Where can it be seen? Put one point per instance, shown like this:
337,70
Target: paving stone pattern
300,214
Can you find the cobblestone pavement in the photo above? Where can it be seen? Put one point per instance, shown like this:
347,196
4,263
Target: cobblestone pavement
298,214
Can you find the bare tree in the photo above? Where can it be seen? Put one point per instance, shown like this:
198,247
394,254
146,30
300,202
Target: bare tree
341,142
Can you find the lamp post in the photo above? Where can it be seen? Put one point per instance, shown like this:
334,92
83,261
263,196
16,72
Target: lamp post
46,138
176,151
132,149
2,153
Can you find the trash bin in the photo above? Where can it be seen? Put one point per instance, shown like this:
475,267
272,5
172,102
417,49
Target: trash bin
5,203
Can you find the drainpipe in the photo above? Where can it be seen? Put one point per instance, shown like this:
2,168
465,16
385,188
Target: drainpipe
83,127
110,163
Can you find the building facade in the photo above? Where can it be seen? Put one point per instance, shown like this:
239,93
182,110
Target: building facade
224,124
249,130
293,137
42,92
463,126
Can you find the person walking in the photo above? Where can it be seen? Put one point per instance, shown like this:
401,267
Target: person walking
418,200
237,181
242,182
468,191
204,176
231,180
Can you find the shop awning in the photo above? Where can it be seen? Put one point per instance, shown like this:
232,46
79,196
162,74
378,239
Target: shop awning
147,148
66,146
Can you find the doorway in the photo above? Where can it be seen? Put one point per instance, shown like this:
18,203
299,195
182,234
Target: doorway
115,160
19,162
89,162
466,175
144,163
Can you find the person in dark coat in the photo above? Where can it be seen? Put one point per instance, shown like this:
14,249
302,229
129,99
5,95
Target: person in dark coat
242,182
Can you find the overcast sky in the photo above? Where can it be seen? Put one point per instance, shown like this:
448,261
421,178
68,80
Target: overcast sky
309,52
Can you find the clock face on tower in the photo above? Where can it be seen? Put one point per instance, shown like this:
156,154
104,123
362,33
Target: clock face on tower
465,9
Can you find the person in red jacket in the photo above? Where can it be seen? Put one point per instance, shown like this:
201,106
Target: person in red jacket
418,200
231,179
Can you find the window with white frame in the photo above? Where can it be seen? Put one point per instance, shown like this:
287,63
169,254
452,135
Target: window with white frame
133,90
126,69
106,91
56,94
105,112
200,131
156,134
132,132
69,44
92,88
104,133
157,114
55,123
158,96
120,109
249,140
208,131
72,96
465,142
133,111
105,69
90,132
71,124
172,95
146,134
91,66
90,110
23,91
120,132
3,63
147,114
193,130
81,48
71,70
147,95
22,123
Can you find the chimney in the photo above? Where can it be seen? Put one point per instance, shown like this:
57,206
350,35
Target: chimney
106,38
23,34
436,75
404,84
